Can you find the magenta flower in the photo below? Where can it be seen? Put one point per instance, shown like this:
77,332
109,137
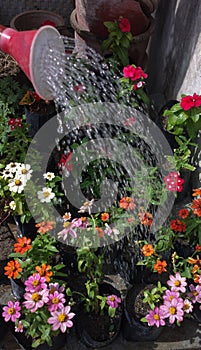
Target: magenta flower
174,182
177,283
195,293
69,229
155,317
80,222
113,301
173,310
19,327
35,283
12,311
53,287
56,301
188,102
36,300
61,319
170,294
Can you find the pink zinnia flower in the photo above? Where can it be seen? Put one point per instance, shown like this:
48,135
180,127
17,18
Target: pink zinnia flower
177,283
12,311
36,300
173,310
61,319
69,229
19,327
188,307
56,301
35,283
113,301
53,287
170,294
80,222
187,102
155,317
195,293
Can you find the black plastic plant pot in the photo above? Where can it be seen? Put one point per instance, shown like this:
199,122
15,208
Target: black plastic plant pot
27,229
197,312
58,342
132,328
17,287
4,326
95,330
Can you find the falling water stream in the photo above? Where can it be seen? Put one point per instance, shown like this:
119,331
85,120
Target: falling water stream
116,136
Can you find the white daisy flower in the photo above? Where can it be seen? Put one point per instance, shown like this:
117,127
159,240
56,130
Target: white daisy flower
13,167
12,205
24,172
7,174
49,176
45,195
16,185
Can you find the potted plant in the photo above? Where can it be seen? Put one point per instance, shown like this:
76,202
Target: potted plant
42,310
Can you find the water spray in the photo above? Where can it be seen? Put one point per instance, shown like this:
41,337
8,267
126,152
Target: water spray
30,49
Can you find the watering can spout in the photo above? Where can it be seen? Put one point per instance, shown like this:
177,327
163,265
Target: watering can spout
30,49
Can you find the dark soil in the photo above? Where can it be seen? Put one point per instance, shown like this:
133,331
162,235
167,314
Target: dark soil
134,301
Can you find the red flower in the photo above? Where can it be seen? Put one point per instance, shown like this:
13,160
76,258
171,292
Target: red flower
198,248
127,203
13,122
189,102
64,161
139,85
134,73
174,182
48,23
160,266
183,213
196,205
105,216
124,25
178,226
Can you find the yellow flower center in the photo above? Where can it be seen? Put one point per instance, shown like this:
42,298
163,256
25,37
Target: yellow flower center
66,224
55,300
35,283
24,171
35,297
46,194
177,283
170,298
156,317
186,306
172,310
112,298
61,317
18,182
195,293
11,311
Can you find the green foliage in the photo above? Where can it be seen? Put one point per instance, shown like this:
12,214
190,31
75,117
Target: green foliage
154,296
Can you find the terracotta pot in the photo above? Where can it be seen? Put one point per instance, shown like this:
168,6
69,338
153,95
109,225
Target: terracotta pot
87,20
29,20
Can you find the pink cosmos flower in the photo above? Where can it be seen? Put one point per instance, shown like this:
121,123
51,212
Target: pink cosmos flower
170,294
113,301
12,311
35,283
61,319
36,300
195,293
177,283
155,317
173,310
124,25
56,301
187,102
174,182
19,327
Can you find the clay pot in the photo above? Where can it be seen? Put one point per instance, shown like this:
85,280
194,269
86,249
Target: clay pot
87,20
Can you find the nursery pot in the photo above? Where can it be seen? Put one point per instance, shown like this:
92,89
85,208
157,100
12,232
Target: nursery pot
95,330
27,229
58,342
88,19
133,329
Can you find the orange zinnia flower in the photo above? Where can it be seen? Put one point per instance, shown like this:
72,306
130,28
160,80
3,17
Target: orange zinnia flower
145,217
45,271
105,216
197,278
197,192
183,213
197,207
127,203
45,226
12,269
196,263
147,250
160,266
22,245
100,232
177,225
